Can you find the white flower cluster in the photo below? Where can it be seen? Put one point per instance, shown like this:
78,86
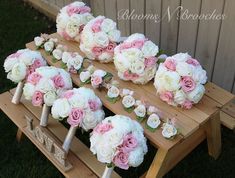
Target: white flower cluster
120,141
72,19
179,80
99,38
46,84
73,61
81,106
135,59
128,101
22,63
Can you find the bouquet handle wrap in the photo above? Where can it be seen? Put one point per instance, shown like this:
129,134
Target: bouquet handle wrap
107,172
44,115
18,93
69,138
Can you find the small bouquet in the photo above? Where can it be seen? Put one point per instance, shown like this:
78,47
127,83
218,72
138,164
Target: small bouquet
57,53
19,66
73,61
81,107
99,38
128,101
180,80
44,86
72,19
135,59
100,77
118,141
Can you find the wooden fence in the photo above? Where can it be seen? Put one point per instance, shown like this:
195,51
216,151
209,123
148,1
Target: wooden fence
175,27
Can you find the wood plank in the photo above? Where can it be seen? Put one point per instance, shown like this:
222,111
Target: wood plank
97,7
111,9
137,24
60,3
169,26
18,117
229,108
122,21
224,72
188,28
152,27
233,87
227,120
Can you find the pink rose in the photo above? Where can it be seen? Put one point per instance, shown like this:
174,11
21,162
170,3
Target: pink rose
77,10
58,81
34,78
29,71
187,84
137,43
167,96
110,47
121,160
170,64
187,104
84,9
103,127
37,99
129,76
193,62
150,61
96,26
75,117
37,63
129,143
124,45
68,94
72,70
94,105
97,51
96,81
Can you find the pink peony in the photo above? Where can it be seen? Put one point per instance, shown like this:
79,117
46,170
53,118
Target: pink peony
193,62
94,105
187,104
187,84
75,117
167,96
125,45
34,78
110,47
137,43
96,26
37,99
150,61
121,160
96,80
68,94
103,127
170,64
129,143
58,81
97,51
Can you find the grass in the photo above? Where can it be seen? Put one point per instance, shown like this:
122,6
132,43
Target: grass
19,25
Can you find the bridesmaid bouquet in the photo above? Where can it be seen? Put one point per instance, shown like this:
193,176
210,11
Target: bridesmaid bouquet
19,66
44,86
72,19
180,80
99,38
118,141
135,59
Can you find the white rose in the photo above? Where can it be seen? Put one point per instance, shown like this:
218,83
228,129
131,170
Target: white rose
57,54
197,94
72,27
140,110
199,75
84,76
28,91
49,98
60,108
128,101
100,73
87,38
47,72
132,54
179,97
65,57
101,39
114,138
9,64
105,153
105,57
114,35
137,67
153,121
113,92
150,49
170,81
38,41
89,121
75,62
49,46
127,92
184,69
45,85
168,130
78,101
181,57
108,25
136,157
86,17
18,72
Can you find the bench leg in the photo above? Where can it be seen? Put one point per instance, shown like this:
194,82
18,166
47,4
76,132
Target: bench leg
213,132
19,135
159,164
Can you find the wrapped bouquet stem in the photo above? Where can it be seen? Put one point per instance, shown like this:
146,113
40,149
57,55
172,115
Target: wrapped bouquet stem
44,115
69,138
107,172
18,93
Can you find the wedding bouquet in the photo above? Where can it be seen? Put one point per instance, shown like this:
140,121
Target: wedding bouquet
135,59
72,19
19,66
180,80
44,86
118,141
99,38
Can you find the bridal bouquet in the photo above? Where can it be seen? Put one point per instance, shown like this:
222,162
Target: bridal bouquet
99,38
135,59
72,19
118,141
180,80
19,66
